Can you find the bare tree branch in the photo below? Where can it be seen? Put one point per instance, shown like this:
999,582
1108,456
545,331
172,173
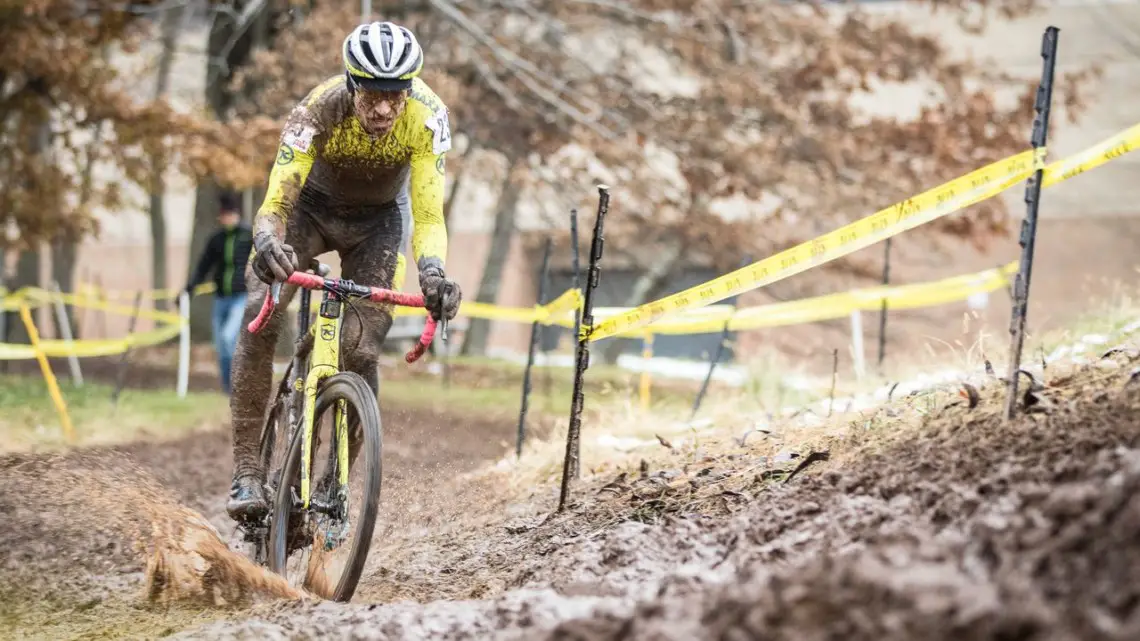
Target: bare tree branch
527,73
509,97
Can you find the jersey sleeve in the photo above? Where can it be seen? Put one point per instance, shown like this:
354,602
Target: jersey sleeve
429,239
291,168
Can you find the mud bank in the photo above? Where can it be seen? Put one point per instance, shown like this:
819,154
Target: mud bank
972,530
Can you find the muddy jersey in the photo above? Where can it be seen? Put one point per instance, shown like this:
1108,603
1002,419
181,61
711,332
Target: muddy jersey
327,163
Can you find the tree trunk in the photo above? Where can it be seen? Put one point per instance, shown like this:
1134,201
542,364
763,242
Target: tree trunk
456,183
171,20
158,239
63,256
4,317
206,196
28,262
27,275
205,216
480,328
650,285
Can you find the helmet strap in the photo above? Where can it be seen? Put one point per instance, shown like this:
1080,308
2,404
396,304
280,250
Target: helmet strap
351,84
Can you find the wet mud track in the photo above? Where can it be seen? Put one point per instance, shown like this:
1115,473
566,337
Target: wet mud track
71,525
972,530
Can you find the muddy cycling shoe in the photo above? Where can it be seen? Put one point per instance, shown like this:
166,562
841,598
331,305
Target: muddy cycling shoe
247,499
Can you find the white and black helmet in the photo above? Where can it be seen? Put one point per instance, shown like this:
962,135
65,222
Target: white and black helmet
382,56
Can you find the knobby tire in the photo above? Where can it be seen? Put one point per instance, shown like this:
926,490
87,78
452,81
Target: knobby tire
360,398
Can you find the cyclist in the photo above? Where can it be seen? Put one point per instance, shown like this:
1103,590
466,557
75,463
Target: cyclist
349,155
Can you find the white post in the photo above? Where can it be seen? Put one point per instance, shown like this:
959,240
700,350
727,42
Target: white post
857,343
184,344
365,10
65,332
3,315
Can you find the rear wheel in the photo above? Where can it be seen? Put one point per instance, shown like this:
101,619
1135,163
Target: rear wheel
323,549
272,448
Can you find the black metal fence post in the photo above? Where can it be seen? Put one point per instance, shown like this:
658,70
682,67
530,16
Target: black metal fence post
543,276
121,369
582,361
883,309
576,267
724,339
1029,226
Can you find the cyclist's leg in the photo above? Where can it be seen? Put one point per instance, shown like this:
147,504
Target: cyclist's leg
372,261
252,374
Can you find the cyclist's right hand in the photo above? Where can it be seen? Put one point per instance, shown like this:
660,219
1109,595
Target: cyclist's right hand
274,261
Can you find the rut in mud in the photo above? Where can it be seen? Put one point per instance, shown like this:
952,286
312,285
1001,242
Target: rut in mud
84,536
974,529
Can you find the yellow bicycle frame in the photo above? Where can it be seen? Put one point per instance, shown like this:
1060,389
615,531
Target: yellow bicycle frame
324,361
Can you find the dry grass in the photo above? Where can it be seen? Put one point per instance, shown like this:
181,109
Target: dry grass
30,421
745,432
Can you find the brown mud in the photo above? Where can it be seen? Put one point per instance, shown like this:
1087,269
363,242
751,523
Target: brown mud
973,530
130,541
966,528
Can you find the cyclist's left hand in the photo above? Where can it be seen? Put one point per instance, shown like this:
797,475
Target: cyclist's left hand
440,293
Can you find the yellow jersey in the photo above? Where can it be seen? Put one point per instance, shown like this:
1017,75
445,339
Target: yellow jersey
326,160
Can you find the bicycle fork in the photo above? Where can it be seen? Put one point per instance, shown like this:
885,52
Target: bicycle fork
325,359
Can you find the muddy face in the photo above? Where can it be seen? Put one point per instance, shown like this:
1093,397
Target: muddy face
378,110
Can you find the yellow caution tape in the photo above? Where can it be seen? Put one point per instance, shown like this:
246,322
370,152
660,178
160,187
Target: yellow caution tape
32,297
167,294
930,205
832,306
49,376
563,305
908,214
79,300
708,319
89,348
1104,151
13,301
567,303
693,310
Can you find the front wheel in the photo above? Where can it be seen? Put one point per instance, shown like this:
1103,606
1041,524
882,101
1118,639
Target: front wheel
336,529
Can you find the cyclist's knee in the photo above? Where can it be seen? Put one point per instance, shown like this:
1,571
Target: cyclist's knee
363,341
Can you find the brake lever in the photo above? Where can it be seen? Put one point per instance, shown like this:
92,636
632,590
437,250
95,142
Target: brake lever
275,291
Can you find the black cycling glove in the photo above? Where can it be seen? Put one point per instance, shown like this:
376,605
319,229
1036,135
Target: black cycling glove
441,294
274,261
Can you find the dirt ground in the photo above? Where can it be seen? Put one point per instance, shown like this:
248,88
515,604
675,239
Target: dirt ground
965,529
75,528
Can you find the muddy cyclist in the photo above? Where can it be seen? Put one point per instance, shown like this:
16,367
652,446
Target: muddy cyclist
359,158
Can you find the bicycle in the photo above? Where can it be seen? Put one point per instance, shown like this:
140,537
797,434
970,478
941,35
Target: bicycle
312,384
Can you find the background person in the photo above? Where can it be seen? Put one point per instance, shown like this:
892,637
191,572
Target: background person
226,255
